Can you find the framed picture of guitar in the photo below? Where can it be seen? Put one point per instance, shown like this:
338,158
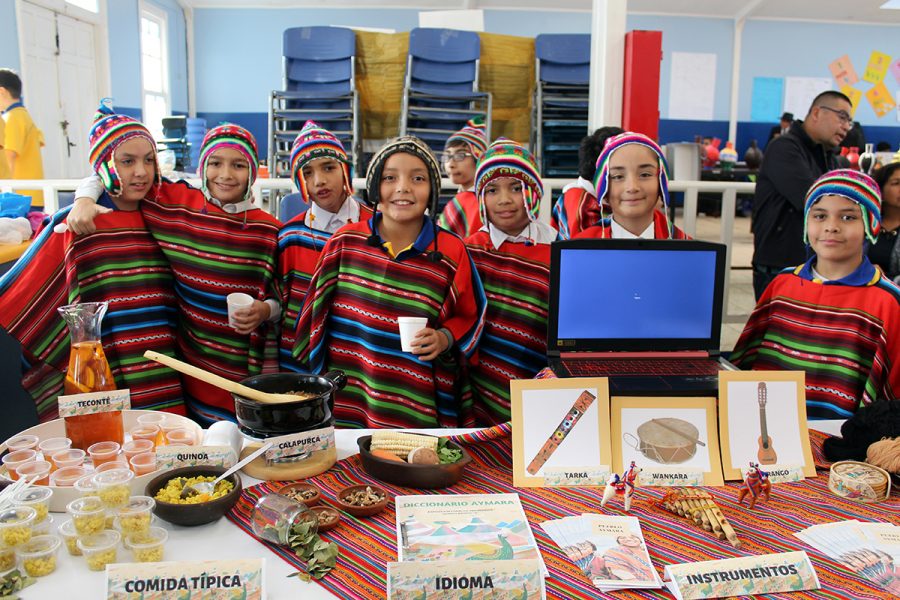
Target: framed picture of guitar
762,419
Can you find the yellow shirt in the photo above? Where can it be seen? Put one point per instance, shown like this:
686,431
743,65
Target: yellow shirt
4,166
25,139
390,249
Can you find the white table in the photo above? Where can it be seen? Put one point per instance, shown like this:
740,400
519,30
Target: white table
223,540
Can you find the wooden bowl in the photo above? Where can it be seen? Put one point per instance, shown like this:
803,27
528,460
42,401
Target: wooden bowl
333,520
409,475
299,488
193,514
361,511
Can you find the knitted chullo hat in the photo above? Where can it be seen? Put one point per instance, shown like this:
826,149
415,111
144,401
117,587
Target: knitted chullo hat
506,158
312,143
473,134
108,132
601,175
233,136
410,145
854,186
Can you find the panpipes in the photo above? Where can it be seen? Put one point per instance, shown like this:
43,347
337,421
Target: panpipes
698,506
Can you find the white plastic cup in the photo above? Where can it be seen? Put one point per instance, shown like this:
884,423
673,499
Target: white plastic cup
409,327
237,301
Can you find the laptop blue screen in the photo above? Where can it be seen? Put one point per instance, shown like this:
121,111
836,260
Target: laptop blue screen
636,294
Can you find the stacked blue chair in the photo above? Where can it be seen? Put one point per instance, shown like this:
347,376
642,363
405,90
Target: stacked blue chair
175,139
196,130
441,88
563,66
319,84
290,206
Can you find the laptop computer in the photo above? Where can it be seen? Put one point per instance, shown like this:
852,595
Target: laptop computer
647,314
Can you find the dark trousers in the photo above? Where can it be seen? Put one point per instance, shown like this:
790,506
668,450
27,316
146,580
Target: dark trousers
762,277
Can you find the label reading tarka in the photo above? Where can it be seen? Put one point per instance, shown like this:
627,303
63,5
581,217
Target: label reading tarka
670,477
298,445
94,402
172,457
575,476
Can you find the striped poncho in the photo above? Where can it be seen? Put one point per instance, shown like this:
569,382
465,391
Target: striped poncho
461,215
844,334
120,264
660,229
349,322
574,211
212,254
299,248
516,280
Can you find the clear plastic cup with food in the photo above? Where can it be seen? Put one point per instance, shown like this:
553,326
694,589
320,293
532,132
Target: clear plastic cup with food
158,419
8,559
86,486
70,457
146,432
36,471
67,476
103,452
100,549
147,546
51,446
135,517
17,458
22,442
44,527
36,498
38,556
180,437
70,537
119,463
16,524
88,515
135,447
114,487
143,463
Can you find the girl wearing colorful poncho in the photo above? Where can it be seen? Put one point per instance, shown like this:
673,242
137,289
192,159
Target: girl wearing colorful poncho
397,263
121,264
320,169
631,179
836,316
512,255
462,152
217,243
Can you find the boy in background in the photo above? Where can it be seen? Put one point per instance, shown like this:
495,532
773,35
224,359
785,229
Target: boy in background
512,255
461,155
577,207
631,178
320,169
22,140
836,316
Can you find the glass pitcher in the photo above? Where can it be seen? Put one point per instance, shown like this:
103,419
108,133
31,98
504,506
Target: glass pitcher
89,372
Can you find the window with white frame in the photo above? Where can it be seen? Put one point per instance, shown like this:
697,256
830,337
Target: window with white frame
154,69
90,5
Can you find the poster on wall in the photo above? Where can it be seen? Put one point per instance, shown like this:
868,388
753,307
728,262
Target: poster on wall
895,69
693,86
881,100
855,96
799,93
877,67
765,106
843,72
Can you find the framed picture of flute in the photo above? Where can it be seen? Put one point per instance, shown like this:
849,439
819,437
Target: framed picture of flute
762,419
674,441
560,431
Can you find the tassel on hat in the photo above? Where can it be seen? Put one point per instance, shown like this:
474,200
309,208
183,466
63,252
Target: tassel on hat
232,136
107,133
507,158
314,143
474,134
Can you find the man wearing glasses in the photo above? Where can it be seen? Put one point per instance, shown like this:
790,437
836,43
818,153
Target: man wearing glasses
790,166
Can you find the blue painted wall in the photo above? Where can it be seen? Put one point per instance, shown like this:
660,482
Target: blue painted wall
177,36
9,37
125,55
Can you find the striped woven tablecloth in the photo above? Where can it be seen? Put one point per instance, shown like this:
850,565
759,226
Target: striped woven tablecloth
368,544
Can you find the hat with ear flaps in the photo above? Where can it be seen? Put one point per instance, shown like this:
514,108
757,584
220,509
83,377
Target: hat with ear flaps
409,145
107,133
601,175
314,143
854,186
474,134
229,135
508,159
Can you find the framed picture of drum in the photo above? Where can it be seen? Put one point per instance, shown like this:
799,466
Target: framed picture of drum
667,437
763,420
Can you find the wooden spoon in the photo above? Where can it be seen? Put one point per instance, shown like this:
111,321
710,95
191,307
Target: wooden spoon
220,382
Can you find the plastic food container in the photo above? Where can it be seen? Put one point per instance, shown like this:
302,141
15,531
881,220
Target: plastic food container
135,447
22,442
119,463
148,546
67,476
15,525
39,555
70,537
8,560
146,432
70,457
36,498
113,487
86,486
100,549
180,437
36,471
88,515
14,460
144,463
43,528
135,517
51,446
102,452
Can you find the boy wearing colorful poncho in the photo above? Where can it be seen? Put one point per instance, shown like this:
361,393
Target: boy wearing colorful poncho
512,255
217,243
631,180
397,263
462,152
836,316
320,169
121,264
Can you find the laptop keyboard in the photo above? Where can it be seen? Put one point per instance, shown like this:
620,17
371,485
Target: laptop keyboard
641,366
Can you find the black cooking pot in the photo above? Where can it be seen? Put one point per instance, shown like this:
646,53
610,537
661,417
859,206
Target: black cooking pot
266,420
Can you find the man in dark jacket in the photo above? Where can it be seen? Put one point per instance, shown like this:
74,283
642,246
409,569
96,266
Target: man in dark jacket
790,166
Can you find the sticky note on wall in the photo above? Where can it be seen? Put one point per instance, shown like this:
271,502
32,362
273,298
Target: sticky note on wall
895,69
855,96
843,72
881,100
877,67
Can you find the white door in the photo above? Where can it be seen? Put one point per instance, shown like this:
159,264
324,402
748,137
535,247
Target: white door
61,90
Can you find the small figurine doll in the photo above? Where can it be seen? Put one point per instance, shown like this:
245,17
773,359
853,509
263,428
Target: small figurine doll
756,483
627,481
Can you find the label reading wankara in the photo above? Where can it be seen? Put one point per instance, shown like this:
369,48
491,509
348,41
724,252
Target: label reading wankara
670,476
572,476
300,445
94,402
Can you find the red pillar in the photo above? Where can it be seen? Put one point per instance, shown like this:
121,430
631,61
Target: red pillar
640,94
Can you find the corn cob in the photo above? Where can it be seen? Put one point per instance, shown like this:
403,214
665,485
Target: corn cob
400,443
